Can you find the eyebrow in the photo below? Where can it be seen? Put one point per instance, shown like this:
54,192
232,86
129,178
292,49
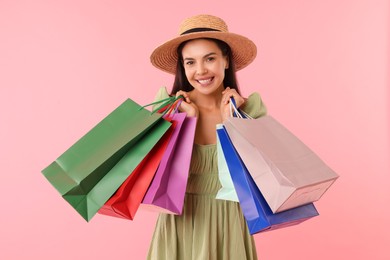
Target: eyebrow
205,56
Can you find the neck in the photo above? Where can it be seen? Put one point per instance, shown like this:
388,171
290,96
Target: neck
207,101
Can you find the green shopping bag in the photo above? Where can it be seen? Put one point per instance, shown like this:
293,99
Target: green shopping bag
91,170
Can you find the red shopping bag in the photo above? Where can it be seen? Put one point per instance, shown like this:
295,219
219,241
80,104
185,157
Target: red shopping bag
125,202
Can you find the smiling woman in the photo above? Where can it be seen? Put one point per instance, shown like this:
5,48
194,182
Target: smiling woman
323,70
204,59
219,48
204,65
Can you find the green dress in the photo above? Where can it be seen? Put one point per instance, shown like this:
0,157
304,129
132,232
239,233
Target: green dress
208,228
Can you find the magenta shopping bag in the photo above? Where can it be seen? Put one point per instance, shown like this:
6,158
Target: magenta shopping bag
167,190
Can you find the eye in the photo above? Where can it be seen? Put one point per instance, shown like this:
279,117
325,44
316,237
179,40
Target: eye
210,58
189,63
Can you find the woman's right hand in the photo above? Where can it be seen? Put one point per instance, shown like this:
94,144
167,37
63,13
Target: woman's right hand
187,105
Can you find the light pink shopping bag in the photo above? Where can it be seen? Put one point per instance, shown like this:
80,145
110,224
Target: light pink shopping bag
287,172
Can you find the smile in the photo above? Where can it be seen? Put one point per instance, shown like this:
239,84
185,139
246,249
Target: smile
205,81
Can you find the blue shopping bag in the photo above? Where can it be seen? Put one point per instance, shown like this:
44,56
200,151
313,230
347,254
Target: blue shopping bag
258,214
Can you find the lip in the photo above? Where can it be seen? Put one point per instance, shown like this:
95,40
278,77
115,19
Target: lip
205,81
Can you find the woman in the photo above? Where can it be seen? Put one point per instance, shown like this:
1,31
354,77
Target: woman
204,59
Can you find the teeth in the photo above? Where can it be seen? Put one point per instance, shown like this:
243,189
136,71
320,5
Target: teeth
204,81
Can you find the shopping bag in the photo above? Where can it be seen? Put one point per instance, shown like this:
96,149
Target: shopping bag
167,190
257,213
227,191
126,200
91,170
286,171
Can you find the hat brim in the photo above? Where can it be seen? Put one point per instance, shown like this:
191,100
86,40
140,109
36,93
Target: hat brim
244,51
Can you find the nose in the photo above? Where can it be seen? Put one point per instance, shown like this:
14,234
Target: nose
201,69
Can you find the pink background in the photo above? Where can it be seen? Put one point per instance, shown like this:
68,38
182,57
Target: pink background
322,69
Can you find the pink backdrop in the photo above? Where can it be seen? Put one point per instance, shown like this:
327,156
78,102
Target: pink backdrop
322,70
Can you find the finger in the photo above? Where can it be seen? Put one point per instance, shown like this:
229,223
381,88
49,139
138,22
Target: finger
230,92
226,99
239,100
225,90
185,96
228,95
180,93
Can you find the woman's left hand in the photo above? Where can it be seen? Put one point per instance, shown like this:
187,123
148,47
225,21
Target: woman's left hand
225,106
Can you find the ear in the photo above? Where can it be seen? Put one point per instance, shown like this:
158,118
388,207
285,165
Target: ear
227,62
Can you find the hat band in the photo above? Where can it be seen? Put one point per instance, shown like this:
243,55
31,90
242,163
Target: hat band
201,29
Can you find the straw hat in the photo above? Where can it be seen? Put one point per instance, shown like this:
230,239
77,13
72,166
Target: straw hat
244,50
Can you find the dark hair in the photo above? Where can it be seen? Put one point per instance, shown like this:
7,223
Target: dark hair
181,82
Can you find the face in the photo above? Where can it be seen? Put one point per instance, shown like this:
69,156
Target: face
204,65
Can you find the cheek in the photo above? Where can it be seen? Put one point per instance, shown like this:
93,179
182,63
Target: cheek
188,73
222,70
220,67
